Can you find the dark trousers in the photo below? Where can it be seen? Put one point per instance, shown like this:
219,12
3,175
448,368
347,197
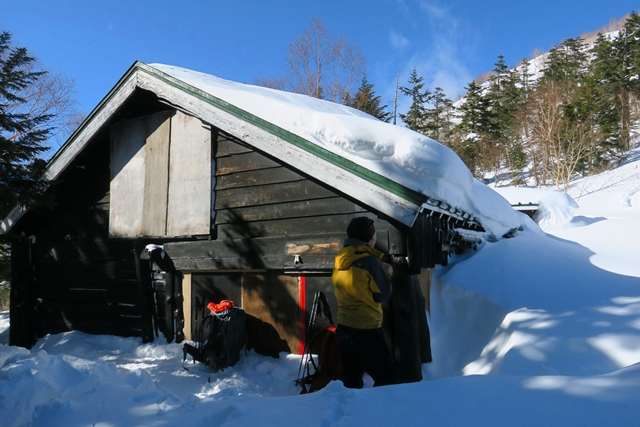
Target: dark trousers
364,350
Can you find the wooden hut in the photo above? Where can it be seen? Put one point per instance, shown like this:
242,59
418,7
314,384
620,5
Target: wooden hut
168,197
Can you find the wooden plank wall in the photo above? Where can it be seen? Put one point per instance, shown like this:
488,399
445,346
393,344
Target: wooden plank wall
188,207
258,197
90,286
160,176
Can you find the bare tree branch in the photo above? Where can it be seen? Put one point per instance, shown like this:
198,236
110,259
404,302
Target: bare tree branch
320,66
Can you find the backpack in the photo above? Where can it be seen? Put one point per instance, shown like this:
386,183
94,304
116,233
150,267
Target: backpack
325,342
328,367
221,337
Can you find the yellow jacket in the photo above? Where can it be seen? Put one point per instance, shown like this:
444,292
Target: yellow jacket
360,284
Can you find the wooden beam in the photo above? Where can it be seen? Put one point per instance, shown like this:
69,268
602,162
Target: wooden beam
186,304
156,174
253,254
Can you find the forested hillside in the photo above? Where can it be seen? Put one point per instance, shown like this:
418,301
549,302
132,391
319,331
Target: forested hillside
572,110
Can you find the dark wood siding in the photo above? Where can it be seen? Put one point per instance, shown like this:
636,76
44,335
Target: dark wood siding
259,197
82,280
90,286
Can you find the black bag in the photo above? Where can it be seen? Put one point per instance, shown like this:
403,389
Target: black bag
220,340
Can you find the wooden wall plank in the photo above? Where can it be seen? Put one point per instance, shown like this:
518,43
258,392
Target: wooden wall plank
293,226
252,254
243,162
89,308
228,147
84,292
270,194
282,211
56,321
230,263
256,177
98,283
127,178
156,177
274,299
424,279
85,271
94,249
186,305
189,203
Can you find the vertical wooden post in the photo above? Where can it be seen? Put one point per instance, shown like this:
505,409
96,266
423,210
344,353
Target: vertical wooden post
169,304
143,276
178,314
186,305
407,325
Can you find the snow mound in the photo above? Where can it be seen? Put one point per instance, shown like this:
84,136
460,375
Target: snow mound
555,210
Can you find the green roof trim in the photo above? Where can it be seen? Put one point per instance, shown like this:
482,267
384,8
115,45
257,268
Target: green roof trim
400,190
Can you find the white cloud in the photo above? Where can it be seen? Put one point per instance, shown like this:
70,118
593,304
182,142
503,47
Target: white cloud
433,39
434,9
398,41
440,58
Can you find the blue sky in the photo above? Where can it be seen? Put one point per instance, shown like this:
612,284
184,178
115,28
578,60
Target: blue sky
449,42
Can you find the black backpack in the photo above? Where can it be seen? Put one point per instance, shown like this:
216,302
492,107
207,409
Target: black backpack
220,341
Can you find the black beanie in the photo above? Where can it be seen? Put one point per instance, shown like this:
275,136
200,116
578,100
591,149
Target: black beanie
361,228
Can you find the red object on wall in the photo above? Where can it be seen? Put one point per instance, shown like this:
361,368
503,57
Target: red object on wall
302,302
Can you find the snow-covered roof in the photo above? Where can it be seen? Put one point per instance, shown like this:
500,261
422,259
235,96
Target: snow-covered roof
388,167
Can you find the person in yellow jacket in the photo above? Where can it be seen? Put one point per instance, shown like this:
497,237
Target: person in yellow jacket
361,283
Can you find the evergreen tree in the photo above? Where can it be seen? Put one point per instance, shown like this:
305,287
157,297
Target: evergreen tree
22,135
472,130
505,97
607,71
566,62
366,100
617,66
414,118
438,120
475,116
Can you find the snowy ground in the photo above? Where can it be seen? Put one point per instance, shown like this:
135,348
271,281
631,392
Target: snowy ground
539,330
